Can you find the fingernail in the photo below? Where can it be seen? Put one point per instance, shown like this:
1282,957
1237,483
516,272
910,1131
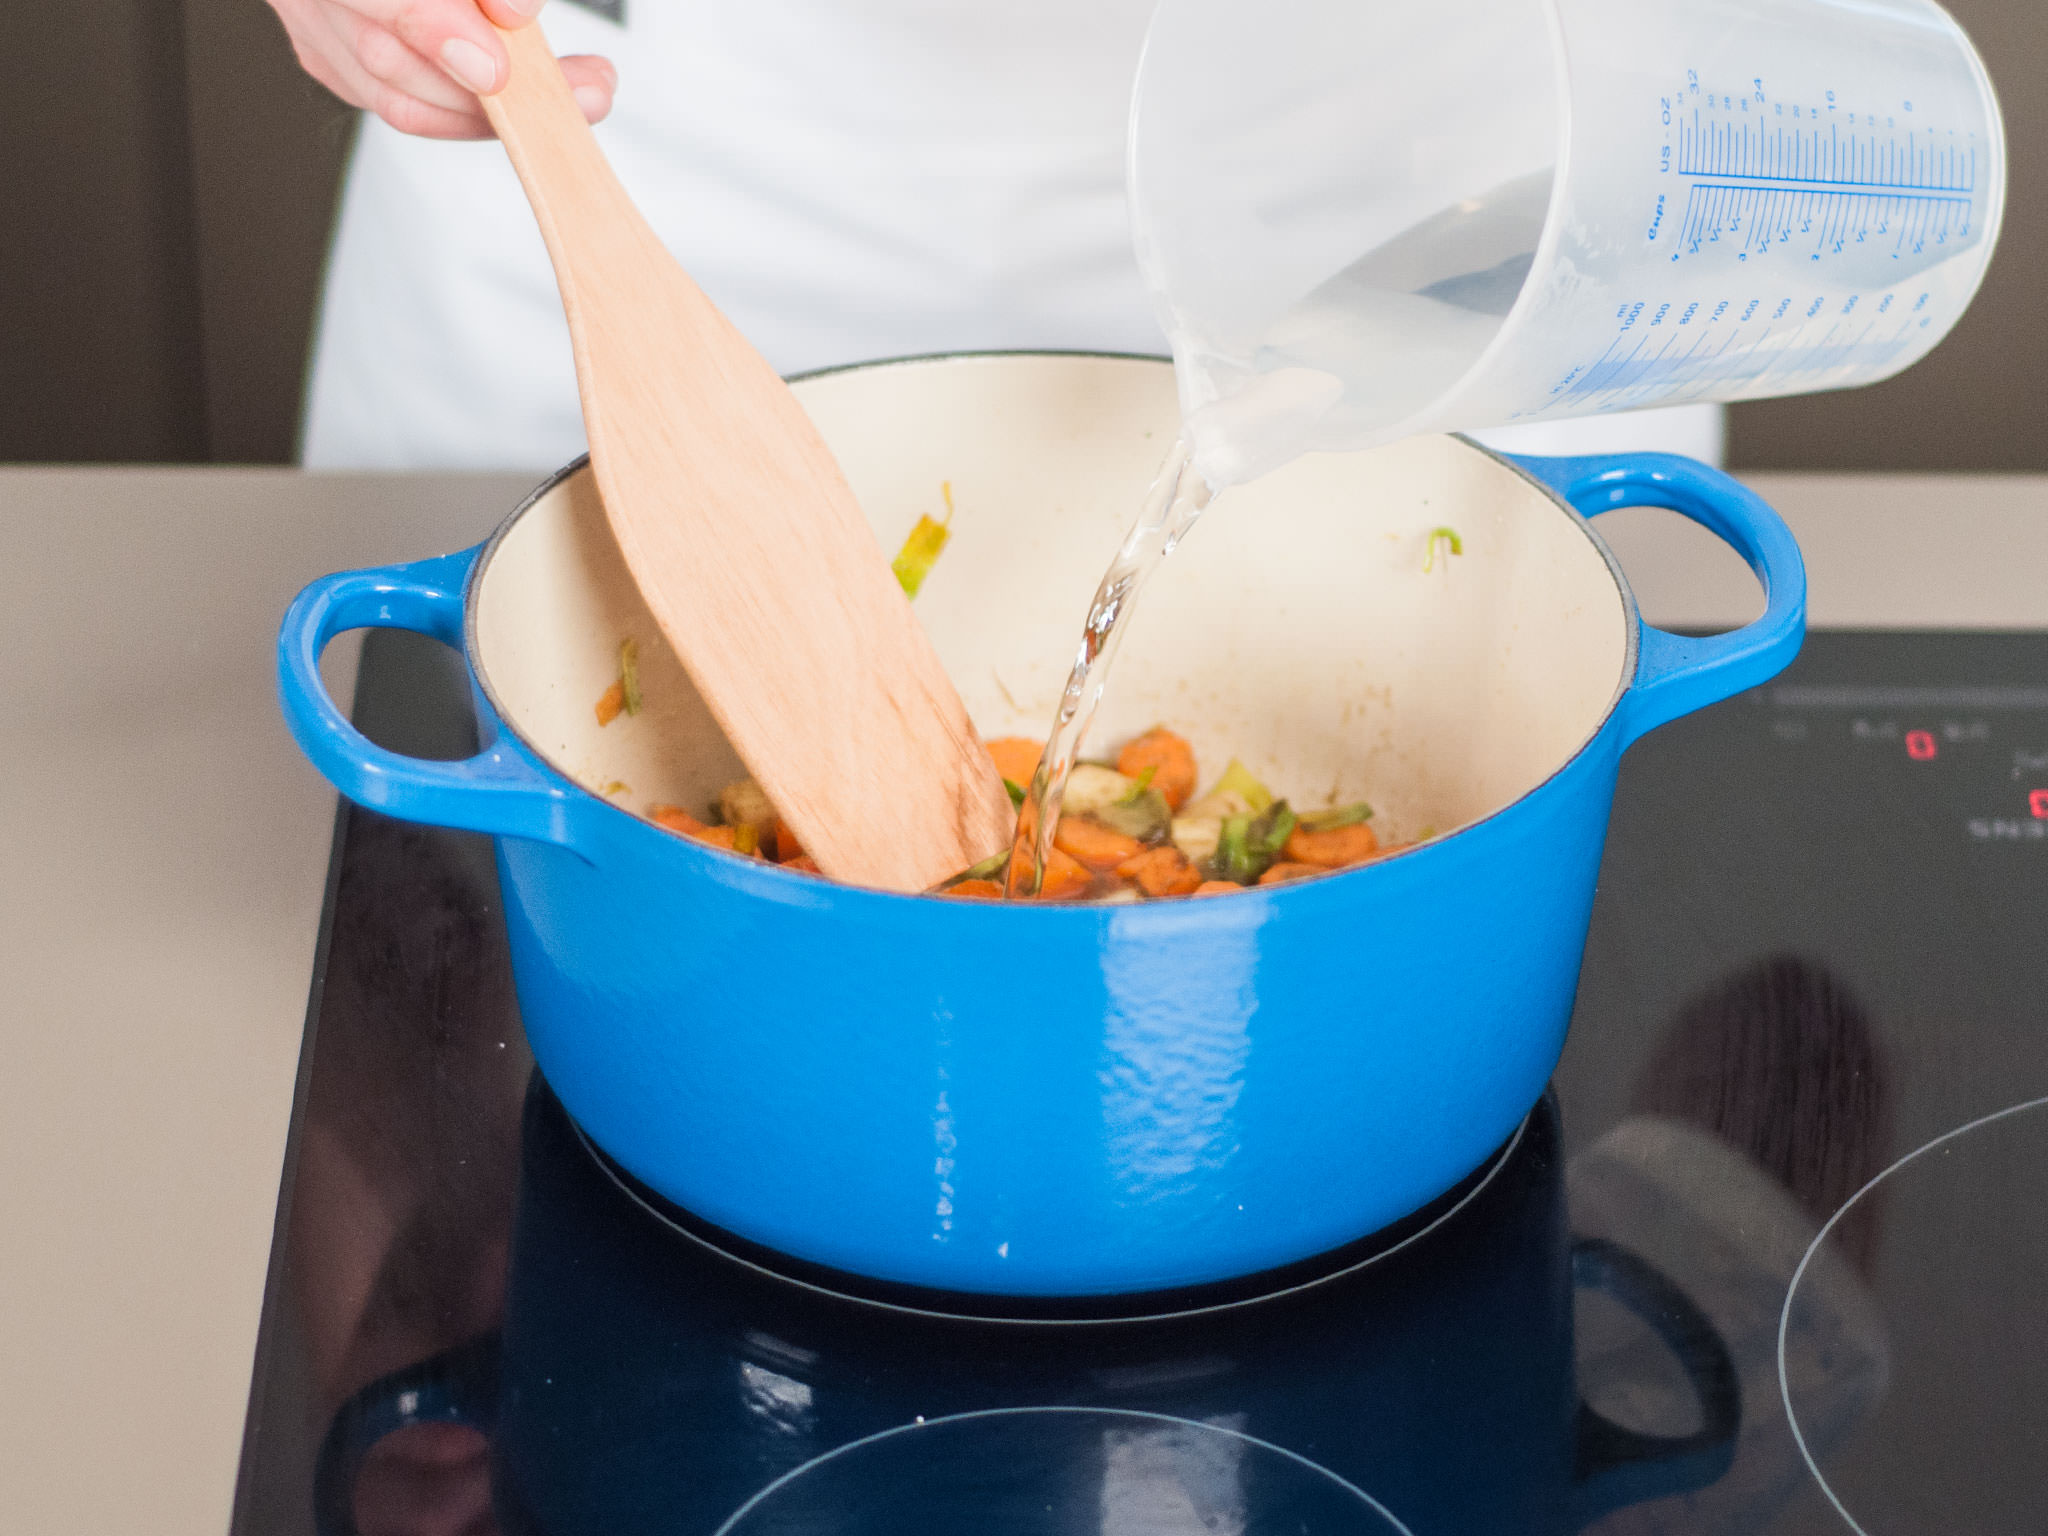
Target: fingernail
470,65
592,100
525,7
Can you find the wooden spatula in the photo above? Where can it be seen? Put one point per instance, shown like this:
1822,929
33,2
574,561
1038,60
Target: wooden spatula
743,535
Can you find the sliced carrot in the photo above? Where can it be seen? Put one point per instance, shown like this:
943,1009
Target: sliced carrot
787,849
1334,849
1217,888
1163,871
1064,876
673,818
1282,872
1094,844
1016,758
804,862
1170,758
982,888
613,701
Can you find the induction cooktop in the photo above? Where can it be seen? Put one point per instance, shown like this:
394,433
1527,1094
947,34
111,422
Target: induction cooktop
1770,1257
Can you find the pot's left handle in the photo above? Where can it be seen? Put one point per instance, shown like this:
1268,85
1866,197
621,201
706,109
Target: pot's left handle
1677,674
500,790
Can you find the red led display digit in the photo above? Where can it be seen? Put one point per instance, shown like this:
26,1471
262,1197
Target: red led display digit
2037,802
1920,745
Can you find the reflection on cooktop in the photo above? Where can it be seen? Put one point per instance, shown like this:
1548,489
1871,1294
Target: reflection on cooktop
1816,949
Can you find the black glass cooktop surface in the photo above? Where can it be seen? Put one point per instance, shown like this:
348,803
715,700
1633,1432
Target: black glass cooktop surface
1771,1257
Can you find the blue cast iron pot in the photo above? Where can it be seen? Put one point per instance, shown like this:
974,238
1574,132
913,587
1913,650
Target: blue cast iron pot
647,1382
1067,1100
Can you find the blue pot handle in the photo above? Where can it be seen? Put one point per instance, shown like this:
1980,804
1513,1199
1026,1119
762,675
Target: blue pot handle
1677,674
500,790
1613,1466
457,1386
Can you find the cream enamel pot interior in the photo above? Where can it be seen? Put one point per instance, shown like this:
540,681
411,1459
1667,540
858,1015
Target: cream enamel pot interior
1066,1100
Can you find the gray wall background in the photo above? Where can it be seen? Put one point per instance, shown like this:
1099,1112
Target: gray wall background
170,179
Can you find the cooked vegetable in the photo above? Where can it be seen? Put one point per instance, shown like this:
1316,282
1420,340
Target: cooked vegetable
1065,876
1016,757
616,787
745,801
787,849
1165,755
1248,844
1142,814
1441,536
1338,816
990,869
1097,846
1093,789
1336,848
1195,836
629,674
611,702
1233,856
1216,805
921,550
1238,780
1119,839
1161,872
1016,793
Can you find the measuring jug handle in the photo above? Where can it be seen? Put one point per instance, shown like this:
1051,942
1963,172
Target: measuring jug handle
1677,674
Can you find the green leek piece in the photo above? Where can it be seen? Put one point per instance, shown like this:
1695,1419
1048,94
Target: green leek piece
1249,844
988,869
1237,779
1143,814
1138,786
1441,536
629,673
921,550
1339,816
1269,832
1232,859
1016,793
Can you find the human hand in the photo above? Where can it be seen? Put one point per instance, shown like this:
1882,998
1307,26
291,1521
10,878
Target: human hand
421,64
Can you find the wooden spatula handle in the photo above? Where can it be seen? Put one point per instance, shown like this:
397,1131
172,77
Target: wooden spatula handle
742,533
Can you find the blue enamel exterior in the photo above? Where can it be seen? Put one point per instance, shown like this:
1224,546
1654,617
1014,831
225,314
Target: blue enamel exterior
1046,1100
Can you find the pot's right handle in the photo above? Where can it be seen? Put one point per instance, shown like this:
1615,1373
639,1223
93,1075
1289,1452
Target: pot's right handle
1614,1466
500,790
1677,674
457,1386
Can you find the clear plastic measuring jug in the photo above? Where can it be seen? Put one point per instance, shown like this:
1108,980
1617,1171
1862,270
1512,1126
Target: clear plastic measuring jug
1368,218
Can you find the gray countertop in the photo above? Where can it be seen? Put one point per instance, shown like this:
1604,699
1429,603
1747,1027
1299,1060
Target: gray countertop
162,852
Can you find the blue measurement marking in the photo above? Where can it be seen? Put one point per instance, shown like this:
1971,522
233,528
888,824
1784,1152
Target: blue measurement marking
1816,222
1826,155
1617,381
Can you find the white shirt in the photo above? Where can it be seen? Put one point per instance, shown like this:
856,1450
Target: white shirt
847,179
